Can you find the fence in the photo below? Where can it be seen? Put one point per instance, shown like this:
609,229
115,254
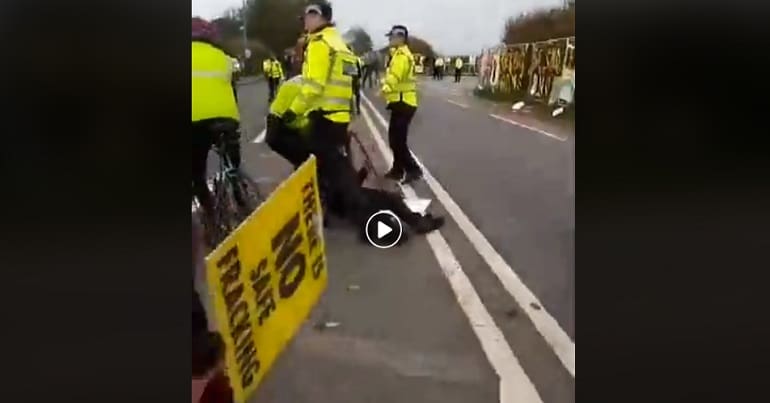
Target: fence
529,69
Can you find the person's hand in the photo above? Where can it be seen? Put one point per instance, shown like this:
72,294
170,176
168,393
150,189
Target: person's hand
289,117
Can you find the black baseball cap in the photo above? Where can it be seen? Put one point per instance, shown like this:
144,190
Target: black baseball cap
398,30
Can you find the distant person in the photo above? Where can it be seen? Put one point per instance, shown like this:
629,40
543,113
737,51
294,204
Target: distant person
375,66
369,69
458,69
274,76
236,75
364,69
286,63
266,68
438,68
297,55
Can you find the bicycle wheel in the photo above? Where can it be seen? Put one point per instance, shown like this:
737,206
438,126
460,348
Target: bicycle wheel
249,191
225,218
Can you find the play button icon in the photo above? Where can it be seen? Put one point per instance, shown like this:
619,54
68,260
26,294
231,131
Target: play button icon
383,229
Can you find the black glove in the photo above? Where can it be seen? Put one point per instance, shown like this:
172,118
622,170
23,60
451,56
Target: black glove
289,116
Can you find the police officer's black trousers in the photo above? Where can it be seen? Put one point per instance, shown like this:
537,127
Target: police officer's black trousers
272,85
401,115
338,179
286,141
458,74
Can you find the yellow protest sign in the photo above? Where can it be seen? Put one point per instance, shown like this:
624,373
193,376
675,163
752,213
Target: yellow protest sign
267,276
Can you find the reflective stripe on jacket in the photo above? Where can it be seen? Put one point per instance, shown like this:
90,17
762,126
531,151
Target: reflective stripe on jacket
327,77
400,84
212,91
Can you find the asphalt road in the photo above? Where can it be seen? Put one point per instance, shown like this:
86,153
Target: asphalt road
482,311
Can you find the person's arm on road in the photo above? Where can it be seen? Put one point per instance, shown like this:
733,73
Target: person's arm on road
318,62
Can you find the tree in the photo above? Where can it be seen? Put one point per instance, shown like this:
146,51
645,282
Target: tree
540,26
229,24
421,46
275,22
359,40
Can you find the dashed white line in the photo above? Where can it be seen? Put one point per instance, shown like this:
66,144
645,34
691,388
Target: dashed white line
457,103
534,129
546,325
261,136
515,385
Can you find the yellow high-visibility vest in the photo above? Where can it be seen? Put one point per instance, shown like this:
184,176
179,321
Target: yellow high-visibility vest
327,77
400,84
212,91
276,70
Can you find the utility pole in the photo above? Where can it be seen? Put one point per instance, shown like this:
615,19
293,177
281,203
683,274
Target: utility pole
246,52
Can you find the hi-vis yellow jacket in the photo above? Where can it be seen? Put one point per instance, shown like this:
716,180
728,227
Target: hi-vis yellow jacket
212,91
275,69
327,77
400,84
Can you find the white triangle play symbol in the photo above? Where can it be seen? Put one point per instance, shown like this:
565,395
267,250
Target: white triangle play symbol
383,229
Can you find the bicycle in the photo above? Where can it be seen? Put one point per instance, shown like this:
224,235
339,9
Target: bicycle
235,195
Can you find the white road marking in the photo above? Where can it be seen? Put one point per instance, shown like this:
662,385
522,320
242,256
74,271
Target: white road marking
534,129
515,385
545,324
260,137
457,103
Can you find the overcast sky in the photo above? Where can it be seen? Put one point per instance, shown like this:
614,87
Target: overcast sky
451,26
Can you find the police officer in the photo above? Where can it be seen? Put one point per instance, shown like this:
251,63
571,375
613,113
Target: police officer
288,140
273,74
400,91
266,68
291,142
276,72
326,97
458,69
214,109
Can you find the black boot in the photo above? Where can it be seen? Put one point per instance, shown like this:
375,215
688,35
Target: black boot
395,174
428,223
